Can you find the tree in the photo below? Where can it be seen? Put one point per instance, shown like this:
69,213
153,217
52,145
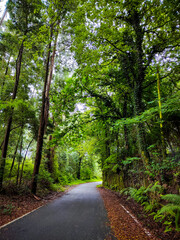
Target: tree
25,21
118,33
55,21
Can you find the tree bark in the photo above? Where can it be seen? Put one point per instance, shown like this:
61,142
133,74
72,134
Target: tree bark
9,123
44,111
107,154
50,157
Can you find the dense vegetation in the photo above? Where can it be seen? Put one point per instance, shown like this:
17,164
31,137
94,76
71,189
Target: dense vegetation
90,87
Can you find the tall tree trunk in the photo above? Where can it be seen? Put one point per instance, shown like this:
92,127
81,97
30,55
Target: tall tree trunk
19,161
107,153
14,156
51,67
140,76
50,157
20,180
140,126
44,112
7,133
163,146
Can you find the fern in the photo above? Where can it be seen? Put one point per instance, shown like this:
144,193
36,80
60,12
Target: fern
138,194
173,198
156,187
172,208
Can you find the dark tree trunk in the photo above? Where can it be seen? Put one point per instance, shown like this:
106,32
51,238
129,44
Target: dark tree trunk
79,168
41,129
44,113
7,133
107,154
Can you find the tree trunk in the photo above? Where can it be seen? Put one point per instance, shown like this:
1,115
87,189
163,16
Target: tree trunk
50,157
20,180
163,146
139,79
79,168
44,112
19,161
49,80
14,156
7,133
107,154
140,126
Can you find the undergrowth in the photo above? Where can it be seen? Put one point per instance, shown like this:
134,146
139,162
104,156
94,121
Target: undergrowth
163,208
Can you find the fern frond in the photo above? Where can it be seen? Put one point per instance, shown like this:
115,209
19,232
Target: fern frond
173,198
170,209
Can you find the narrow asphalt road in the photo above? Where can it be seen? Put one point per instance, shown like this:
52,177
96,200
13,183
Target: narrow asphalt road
78,215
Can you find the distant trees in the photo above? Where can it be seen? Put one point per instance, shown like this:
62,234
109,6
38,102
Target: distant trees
123,53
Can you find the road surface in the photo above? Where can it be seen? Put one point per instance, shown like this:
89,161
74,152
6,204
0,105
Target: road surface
78,215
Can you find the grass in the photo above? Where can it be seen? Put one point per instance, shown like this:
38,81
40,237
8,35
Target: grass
61,188
78,181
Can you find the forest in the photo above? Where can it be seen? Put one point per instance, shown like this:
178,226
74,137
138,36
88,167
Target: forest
89,89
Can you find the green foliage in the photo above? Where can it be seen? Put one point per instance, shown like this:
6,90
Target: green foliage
111,163
138,195
45,179
173,208
57,187
77,181
150,198
129,160
86,173
117,131
7,209
173,198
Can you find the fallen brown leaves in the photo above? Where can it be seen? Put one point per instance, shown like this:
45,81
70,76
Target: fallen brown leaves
122,224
